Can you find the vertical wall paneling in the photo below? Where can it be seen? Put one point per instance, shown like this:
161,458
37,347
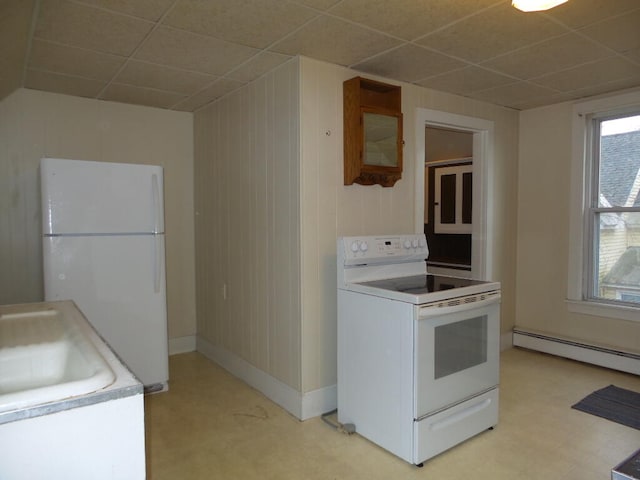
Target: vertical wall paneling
253,208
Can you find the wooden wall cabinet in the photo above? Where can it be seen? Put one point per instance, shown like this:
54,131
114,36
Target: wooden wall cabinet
372,132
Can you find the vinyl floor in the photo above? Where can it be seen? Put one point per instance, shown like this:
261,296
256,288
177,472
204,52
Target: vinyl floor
210,425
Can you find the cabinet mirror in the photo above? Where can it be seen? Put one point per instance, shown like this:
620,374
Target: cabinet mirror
380,139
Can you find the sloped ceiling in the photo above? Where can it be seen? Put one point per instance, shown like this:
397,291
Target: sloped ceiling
183,54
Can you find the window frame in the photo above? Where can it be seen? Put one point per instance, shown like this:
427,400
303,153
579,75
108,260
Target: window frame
594,210
581,227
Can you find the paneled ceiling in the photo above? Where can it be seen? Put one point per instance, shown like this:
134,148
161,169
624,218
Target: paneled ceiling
183,54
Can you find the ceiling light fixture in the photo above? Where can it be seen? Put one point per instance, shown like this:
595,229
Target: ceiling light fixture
536,5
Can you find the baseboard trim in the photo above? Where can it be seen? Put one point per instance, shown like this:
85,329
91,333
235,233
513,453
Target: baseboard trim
301,405
319,401
182,344
506,341
596,355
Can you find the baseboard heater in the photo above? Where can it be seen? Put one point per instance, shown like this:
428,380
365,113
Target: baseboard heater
604,357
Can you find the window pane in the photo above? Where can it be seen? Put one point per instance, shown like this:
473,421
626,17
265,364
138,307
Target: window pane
448,198
617,273
619,162
467,197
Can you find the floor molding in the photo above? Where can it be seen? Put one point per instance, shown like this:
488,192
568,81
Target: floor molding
182,344
301,405
602,356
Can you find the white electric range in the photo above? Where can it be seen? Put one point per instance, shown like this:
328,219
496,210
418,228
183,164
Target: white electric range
418,354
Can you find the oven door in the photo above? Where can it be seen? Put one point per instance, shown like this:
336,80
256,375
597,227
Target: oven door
457,351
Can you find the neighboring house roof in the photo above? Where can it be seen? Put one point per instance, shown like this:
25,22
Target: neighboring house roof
620,169
626,271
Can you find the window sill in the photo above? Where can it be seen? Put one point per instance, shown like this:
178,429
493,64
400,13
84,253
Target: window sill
621,312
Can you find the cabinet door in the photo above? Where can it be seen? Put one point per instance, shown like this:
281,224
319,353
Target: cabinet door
452,199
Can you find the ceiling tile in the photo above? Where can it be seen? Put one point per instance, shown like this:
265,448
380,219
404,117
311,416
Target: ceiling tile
466,80
409,63
620,33
15,19
140,96
148,9
333,40
319,4
11,72
73,61
69,85
193,52
256,23
541,101
143,74
605,88
257,66
591,74
491,33
83,26
408,19
515,93
633,55
550,56
578,13
217,90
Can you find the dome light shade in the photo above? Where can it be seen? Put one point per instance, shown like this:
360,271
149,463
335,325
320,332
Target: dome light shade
536,5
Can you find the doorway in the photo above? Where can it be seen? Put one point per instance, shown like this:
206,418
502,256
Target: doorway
480,132
448,198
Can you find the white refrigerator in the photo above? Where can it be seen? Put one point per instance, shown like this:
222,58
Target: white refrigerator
103,247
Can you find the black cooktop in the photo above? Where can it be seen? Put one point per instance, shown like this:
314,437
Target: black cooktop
419,284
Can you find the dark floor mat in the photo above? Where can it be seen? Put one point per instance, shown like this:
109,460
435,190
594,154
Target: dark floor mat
613,403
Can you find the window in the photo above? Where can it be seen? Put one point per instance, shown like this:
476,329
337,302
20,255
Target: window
604,270
613,219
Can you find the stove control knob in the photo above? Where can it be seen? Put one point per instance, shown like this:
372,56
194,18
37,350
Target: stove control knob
414,243
423,242
364,246
354,247
407,244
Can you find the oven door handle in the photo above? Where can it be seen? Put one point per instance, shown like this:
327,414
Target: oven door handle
435,311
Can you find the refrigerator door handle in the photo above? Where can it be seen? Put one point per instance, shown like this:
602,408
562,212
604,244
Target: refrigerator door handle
155,192
157,264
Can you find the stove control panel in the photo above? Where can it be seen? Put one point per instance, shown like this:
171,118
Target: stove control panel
377,249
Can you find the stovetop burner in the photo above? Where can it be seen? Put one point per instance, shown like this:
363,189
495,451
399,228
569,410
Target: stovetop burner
421,284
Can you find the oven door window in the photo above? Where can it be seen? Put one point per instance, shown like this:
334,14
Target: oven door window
460,345
457,354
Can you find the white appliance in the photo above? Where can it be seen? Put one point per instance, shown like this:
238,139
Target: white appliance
103,247
418,354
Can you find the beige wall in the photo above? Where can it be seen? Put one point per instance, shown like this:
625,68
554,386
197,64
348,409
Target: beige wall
331,209
35,124
543,235
247,197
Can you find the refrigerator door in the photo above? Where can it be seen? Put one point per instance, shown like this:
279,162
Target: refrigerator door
82,197
119,284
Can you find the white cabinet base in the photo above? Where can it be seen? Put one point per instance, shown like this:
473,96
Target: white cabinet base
103,441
